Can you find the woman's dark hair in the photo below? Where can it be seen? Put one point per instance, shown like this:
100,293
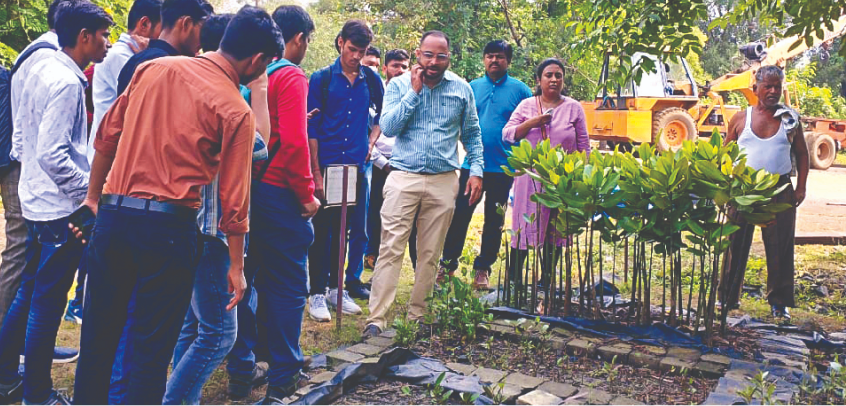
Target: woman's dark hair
539,71
357,32
499,46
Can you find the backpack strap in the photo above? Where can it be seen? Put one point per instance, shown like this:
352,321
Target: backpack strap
376,89
26,54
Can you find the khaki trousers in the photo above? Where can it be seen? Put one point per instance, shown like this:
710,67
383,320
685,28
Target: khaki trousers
406,193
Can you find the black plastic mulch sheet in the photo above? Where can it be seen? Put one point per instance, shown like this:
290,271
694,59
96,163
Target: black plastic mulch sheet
813,340
656,334
397,364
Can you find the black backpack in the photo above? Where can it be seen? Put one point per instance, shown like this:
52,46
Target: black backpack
6,101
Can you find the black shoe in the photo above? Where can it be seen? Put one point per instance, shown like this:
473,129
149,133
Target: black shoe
276,394
241,388
56,398
358,291
12,393
780,311
371,331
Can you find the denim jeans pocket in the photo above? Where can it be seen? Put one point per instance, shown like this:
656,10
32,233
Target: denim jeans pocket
52,233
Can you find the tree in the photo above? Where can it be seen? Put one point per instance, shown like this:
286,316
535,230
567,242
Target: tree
25,20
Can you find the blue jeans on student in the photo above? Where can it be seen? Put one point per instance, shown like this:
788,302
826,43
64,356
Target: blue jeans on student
280,238
32,322
358,228
155,255
209,330
241,357
119,382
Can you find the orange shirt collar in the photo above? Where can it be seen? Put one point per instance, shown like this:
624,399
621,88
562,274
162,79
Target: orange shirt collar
218,59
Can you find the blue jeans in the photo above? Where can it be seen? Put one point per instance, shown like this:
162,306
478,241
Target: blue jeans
209,329
358,228
242,357
119,382
280,238
33,319
155,255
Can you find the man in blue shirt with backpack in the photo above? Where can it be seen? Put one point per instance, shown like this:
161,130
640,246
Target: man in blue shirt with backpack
344,93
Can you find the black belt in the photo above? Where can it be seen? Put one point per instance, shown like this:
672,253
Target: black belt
187,213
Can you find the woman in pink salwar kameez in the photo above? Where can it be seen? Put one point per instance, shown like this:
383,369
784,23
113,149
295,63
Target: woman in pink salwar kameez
548,115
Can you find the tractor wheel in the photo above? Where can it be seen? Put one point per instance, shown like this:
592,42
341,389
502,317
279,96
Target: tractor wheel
671,127
822,149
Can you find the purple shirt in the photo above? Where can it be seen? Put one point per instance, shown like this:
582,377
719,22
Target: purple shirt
567,129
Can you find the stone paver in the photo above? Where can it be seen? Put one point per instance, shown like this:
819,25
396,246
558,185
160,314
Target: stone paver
581,346
380,342
685,354
464,369
619,350
487,375
562,390
562,332
676,365
622,400
558,343
501,330
302,391
709,369
371,360
588,396
717,359
388,334
322,377
340,356
365,349
510,392
648,356
523,380
785,360
339,367
539,397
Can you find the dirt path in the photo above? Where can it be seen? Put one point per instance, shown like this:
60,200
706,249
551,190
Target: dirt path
824,208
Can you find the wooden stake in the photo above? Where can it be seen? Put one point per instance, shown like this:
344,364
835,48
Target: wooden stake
342,254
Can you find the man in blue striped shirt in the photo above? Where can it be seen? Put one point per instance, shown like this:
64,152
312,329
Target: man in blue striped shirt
497,95
428,111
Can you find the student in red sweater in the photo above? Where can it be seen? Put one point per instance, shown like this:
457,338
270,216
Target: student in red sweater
282,206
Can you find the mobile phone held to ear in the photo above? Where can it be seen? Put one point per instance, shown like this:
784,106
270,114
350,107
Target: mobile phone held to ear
83,218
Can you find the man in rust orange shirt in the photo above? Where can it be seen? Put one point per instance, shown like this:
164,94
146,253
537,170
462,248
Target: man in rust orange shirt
180,123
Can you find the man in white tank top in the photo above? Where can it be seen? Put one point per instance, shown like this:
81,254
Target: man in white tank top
768,139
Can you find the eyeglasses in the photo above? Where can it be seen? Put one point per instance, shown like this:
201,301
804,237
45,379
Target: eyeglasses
439,57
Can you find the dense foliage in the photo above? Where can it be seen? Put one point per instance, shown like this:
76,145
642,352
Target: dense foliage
671,202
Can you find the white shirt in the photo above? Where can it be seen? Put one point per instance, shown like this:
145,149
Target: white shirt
51,131
105,83
24,71
771,154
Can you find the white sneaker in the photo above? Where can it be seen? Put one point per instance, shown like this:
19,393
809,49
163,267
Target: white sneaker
317,309
348,306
